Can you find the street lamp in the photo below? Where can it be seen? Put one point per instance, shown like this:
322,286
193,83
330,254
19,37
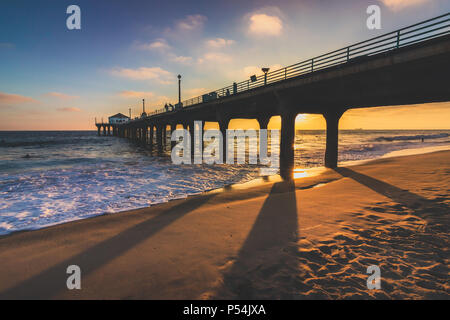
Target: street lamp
144,114
265,70
179,89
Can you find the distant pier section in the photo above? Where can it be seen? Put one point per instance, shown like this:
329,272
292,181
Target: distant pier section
111,126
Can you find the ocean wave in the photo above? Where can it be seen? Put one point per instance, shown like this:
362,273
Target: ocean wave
44,143
413,137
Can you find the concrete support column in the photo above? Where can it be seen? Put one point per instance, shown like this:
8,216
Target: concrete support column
159,138
223,126
109,130
144,135
98,130
191,132
151,136
287,145
173,127
331,152
164,136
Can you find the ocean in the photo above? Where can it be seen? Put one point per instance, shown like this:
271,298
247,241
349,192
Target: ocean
53,177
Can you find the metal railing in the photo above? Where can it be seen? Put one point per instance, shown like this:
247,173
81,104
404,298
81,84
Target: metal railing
422,31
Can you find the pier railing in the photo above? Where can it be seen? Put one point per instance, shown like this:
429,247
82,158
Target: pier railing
422,31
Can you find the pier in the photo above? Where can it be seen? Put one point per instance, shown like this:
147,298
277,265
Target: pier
407,66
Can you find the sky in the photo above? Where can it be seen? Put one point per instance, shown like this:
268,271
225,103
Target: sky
53,78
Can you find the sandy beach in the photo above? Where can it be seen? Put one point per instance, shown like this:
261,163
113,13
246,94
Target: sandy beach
312,238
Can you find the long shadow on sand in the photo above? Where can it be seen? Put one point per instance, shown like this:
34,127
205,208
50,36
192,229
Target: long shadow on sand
266,249
404,197
50,282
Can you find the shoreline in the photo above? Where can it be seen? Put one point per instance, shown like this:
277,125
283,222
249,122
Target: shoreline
312,238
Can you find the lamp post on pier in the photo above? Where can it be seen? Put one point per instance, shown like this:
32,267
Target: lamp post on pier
265,70
179,89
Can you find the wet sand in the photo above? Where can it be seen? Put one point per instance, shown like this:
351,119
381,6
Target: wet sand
312,238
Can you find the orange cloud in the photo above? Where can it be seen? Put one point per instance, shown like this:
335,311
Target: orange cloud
156,73
195,92
150,97
254,70
396,5
69,109
61,96
7,99
136,94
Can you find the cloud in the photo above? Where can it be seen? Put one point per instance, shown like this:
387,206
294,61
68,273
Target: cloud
191,22
195,92
219,42
181,59
69,109
149,96
396,5
143,73
261,24
7,99
157,45
215,57
61,96
136,94
162,46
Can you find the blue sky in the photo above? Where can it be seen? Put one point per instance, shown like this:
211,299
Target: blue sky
55,78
